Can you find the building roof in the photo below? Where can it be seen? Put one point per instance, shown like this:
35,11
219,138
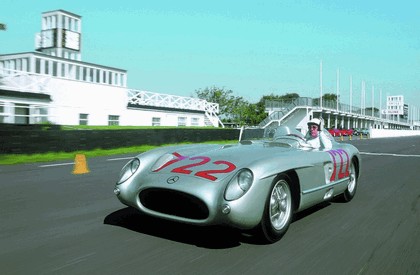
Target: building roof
25,95
43,55
63,11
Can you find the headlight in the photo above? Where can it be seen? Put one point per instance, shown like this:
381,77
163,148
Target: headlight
128,170
239,185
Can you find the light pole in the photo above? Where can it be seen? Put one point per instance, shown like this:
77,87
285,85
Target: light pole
373,98
351,94
362,98
338,85
320,84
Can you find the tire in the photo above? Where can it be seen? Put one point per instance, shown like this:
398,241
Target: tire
348,195
278,211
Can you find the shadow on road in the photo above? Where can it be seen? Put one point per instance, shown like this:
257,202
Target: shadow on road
309,211
212,237
207,237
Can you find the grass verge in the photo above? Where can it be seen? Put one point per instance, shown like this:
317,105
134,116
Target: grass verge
10,159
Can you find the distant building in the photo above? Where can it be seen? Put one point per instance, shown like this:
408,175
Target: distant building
54,85
396,107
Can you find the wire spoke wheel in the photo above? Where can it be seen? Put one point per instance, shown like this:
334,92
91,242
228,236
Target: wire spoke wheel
280,205
352,185
278,210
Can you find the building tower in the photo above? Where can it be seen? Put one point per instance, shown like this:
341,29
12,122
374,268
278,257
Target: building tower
60,35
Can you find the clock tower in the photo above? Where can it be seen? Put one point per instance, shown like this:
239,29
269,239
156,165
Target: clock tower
60,35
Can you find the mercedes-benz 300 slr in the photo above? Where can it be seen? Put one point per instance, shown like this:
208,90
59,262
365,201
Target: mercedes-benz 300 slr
252,185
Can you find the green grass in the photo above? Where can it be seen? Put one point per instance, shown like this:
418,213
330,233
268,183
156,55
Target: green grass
9,159
116,127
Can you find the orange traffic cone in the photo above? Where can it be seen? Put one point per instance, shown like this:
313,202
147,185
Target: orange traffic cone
80,165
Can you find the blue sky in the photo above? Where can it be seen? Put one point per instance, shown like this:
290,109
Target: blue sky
253,48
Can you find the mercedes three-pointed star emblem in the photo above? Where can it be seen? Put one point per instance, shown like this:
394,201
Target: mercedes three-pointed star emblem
172,179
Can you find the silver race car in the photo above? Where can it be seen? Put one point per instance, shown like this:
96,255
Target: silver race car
254,184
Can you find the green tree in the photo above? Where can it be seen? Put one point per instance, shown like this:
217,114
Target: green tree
254,114
289,97
237,110
329,97
217,95
233,109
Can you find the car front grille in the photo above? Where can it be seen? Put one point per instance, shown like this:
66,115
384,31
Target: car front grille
174,203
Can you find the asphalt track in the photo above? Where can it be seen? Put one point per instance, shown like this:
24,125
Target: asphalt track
54,222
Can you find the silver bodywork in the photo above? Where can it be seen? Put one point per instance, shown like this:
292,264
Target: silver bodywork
187,183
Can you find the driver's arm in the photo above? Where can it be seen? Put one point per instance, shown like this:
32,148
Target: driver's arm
325,141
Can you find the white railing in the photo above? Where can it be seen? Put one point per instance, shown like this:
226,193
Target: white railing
23,81
170,101
145,98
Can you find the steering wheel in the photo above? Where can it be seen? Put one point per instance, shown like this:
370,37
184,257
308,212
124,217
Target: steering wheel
294,135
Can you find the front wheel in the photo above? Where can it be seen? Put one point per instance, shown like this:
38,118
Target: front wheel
352,185
278,210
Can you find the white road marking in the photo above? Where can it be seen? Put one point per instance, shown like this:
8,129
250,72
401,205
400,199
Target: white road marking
120,159
388,154
57,164
75,261
72,163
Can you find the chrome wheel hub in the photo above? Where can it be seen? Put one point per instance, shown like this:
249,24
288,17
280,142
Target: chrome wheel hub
352,180
280,205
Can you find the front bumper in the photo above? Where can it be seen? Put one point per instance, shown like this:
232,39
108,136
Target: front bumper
193,201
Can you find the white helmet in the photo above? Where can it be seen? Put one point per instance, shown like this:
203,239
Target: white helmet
315,121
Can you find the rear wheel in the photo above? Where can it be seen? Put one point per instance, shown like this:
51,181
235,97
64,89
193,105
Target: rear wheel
352,186
278,210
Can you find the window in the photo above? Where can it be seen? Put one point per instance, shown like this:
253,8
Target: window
83,119
156,121
2,112
37,65
40,114
182,121
195,121
91,72
63,70
55,68
113,120
85,73
47,67
21,113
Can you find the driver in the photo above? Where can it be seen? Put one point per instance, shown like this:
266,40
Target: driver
315,137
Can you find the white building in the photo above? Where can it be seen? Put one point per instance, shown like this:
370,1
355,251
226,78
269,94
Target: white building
395,107
54,85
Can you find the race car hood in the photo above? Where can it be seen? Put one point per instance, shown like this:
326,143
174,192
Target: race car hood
214,162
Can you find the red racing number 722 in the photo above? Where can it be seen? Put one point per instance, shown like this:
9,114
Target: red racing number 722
201,160
341,162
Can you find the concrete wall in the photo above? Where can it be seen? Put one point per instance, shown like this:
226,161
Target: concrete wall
15,139
382,133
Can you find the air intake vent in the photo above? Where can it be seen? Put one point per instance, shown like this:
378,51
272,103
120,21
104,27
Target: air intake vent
174,203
